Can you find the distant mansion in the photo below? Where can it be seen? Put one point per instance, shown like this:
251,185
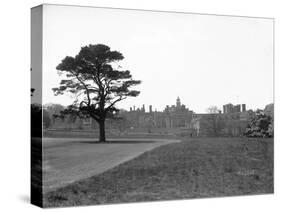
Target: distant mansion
232,121
175,118
171,117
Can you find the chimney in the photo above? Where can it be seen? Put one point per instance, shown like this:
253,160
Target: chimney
150,108
143,108
243,107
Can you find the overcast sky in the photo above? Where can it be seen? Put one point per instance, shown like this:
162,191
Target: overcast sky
204,59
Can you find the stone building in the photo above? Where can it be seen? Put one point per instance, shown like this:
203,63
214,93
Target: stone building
230,108
232,122
173,116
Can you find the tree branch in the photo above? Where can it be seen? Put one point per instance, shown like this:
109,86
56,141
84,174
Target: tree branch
113,103
85,86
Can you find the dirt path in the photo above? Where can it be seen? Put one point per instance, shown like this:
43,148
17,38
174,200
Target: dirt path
66,160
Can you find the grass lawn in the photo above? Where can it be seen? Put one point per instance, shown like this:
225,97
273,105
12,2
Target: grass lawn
66,161
199,167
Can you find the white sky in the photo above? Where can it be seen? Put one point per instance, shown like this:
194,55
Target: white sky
204,59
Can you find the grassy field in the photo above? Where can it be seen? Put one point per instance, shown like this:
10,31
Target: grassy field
68,160
112,133
194,168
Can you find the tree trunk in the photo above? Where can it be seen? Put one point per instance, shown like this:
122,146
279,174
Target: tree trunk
102,131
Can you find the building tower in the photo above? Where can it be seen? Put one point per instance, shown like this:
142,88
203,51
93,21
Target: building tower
150,108
178,102
143,108
243,107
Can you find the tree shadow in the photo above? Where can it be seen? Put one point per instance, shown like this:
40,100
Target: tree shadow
118,142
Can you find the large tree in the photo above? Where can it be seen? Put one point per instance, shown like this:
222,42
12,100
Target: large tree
97,83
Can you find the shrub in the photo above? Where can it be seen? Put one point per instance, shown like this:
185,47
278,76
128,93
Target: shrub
260,126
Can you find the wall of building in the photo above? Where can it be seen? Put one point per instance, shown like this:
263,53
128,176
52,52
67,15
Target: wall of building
232,122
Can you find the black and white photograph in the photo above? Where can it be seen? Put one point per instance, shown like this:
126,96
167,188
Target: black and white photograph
140,105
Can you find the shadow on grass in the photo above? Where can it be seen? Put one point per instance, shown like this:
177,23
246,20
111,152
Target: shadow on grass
117,142
96,142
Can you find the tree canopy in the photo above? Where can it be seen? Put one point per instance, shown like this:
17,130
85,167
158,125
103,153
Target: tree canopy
96,81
